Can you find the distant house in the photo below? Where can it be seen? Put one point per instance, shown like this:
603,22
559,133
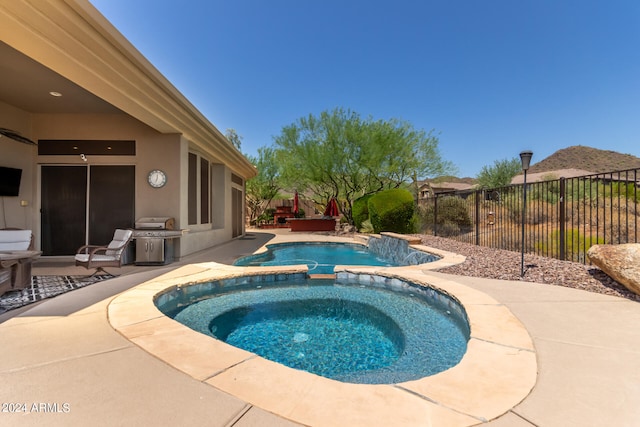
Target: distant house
545,176
613,176
428,189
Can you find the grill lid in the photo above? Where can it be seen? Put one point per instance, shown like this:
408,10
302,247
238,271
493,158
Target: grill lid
158,223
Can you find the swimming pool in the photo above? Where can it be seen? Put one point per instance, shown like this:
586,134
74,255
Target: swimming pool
391,332
499,352
322,257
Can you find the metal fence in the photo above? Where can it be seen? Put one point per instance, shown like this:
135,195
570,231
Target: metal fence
563,217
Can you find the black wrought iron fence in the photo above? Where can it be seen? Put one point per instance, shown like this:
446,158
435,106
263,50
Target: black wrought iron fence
563,217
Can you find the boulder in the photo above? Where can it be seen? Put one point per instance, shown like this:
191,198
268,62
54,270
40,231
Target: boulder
620,262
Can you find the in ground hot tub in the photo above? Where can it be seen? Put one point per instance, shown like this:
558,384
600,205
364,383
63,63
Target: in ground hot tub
499,352
391,332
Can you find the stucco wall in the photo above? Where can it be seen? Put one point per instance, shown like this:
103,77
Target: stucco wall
202,236
17,155
153,151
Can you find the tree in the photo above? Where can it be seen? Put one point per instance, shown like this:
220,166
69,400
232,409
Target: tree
233,137
500,174
265,186
339,154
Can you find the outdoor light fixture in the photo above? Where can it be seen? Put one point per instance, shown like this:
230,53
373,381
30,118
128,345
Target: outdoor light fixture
525,158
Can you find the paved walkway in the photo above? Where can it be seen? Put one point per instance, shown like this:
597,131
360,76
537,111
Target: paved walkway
62,362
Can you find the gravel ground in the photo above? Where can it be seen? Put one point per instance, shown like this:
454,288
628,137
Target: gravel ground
500,264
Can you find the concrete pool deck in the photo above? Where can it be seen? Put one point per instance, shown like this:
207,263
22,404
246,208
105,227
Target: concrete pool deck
65,351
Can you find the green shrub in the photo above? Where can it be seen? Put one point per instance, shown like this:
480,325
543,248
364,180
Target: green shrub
448,229
622,189
454,210
576,244
267,215
392,210
453,216
546,191
360,210
367,227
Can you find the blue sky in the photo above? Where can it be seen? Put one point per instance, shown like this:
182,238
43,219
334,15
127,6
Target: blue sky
491,78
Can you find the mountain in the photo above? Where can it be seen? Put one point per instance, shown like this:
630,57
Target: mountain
586,158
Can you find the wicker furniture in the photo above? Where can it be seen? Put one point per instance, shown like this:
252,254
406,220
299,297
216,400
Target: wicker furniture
98,257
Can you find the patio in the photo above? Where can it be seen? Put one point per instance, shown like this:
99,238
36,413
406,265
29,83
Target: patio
63,356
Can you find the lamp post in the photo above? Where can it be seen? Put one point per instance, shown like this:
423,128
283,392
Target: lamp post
525,158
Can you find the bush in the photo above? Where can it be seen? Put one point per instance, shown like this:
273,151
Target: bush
448,229
576,244
267,215
454,210
538,212
360,210
392,210
546,191
453,216
367,227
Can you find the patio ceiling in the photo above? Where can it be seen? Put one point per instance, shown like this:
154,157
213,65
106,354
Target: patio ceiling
26,84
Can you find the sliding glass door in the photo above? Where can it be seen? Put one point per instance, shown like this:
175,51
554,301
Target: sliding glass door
84,205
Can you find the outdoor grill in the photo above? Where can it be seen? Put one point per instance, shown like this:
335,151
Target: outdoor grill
154,240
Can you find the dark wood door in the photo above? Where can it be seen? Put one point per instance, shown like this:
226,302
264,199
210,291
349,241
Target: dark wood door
63,209
109,203
236,212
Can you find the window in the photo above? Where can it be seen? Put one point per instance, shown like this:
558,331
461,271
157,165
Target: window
204,192
237,205
193,189
199,193
236,179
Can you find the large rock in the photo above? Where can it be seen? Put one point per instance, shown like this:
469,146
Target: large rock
620,262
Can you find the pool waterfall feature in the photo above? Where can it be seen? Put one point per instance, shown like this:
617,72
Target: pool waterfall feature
398,249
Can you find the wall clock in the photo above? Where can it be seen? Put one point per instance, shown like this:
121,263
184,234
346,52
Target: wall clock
157,178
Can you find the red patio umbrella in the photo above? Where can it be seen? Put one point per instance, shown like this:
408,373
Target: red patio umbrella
332,208
295,203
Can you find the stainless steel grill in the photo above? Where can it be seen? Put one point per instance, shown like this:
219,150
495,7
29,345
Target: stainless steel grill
154,240
155,223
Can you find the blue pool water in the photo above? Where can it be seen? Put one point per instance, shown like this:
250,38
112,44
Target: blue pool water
344,331
321,258
327,336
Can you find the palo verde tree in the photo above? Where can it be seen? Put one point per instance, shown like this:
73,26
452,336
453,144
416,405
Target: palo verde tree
233,137
500,174
264,187
339,154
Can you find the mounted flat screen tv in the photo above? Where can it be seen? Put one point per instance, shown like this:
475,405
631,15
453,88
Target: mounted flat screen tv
10,181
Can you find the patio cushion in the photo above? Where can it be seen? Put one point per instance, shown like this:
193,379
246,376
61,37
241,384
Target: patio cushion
119,238
85,258
15,240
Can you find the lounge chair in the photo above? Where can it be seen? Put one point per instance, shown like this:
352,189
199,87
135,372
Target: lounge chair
98,257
